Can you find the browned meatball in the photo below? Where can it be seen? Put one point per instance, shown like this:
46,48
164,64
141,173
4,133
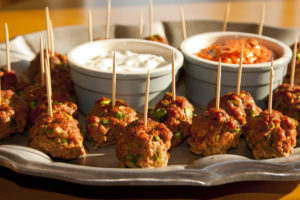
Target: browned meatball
57,136
60,72
242,107
177,115
271,135
13,81
144,146
214,132
297,67
68,107
105,123
157,38
13,114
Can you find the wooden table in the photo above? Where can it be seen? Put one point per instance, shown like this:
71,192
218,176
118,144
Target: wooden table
282,13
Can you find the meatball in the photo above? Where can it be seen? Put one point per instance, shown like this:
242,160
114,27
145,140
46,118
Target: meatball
60,72
58,136
13,114
157,38
177,115
105,123
242,107
68,107
271,135
286,99
10,80
214,132
297,67
144,146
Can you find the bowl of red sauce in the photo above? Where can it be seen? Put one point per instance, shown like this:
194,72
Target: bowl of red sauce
203,51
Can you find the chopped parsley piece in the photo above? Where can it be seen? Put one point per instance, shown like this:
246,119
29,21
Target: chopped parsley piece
100,114
105,122
57,103
188,112
131,158
218,138
159,114
252,113
11,103
105,102
94,124
158,158
156,138
32,105
234,102
271,126
120,115
64,140
178,135
237,129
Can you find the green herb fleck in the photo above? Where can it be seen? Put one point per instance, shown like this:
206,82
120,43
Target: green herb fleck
12,123
105,122
218,138
178,135
236,130
100,114
131,158
156,138
32,105
188,112
159,114
120,115
64,140
158,158
252,113
105,102
94,124
271,126
11,103
234,102
57,103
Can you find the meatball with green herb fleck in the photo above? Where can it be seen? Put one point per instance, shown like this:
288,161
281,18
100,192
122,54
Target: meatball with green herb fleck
214,132
106,123
144,146
13,114
242,107
177,115
271,135
58,136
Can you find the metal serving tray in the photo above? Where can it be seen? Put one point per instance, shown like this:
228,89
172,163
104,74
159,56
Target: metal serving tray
101,167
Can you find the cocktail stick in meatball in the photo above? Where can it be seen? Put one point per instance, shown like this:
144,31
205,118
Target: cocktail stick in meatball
144,146
271,135
58,136
10,80
213,132
60,72
106,123
177,115
242,107
13,114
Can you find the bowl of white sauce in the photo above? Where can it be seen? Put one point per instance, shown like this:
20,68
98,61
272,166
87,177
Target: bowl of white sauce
91,70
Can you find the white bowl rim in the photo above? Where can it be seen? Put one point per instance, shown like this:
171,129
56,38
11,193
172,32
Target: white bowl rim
178,62
287,52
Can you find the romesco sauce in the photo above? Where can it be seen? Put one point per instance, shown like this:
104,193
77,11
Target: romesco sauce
230,51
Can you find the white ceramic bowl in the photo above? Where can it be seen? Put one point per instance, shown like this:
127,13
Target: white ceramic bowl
91,84
201,74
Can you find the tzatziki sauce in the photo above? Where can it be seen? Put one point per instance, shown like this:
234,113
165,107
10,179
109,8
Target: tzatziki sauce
126,61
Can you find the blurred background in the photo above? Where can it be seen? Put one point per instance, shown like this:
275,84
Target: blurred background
29,16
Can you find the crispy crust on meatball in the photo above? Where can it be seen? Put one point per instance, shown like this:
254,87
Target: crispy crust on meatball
144,146
213,132
13,114
242,107
271,135
177,115
105,124
58,136
12,81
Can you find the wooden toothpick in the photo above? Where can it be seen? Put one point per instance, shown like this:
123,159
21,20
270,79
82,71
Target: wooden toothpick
238,85
0,93
293,65
262,18
218,85
183,28
173,78
90,25
8,64
151,17
42,58
114,80
108,10
48,85
146,98
48,28
141,24
51,39
271,88
226,17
